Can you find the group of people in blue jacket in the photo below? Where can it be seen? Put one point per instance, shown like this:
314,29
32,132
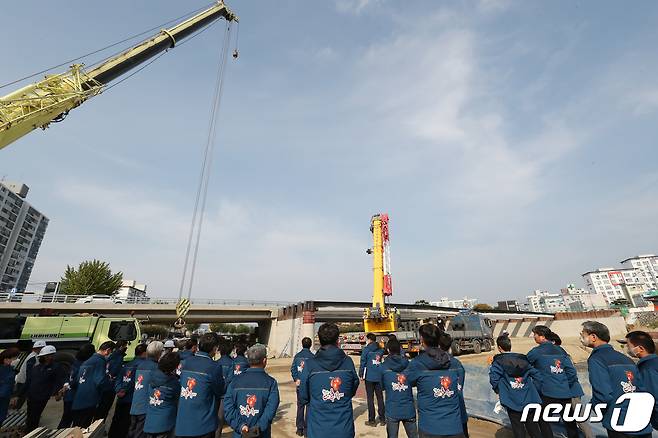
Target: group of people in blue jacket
327,380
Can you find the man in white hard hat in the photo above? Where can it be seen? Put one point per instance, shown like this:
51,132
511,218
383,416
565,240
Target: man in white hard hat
46,379
26,366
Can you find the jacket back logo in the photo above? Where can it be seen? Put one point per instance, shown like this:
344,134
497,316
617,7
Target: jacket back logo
249,410
188,391
82,377
557,368
128,376
139,383
517,383
444,391
377,360
332,394
155,400
300,367
236,370
400,385
628,385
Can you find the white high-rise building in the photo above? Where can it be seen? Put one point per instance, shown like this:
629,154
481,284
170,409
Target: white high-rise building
22,228
457,304
647,265
614,284
544,301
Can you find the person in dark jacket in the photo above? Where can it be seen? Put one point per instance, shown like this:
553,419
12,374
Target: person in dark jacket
298,363
515,381
611,374
225,362
372,376
439,407
84,353
45,380
400,406
327,385
142,379
641,345
24,368
124,386
445,343
191,347
164,392
114,365
7,379
252,398
559,376
91,379
240,363
202,388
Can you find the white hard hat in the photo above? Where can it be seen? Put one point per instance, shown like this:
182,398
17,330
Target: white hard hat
39,343
48,349
169,344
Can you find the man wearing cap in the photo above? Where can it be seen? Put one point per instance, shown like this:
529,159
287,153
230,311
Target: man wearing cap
25,367
252,398
640,345
92,378
45,379
169,346
202,387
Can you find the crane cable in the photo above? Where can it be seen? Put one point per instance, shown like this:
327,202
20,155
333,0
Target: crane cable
194,236
158,27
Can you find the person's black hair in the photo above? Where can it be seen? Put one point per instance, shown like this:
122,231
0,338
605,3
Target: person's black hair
85,352
393,346
642,339
169,362
120,344
504,343
445,341
307,342
328,334
191,343
554,338
430,334
392,336
598,329
371,337
207,343
107,345
225,347
240,349
541,330
140,349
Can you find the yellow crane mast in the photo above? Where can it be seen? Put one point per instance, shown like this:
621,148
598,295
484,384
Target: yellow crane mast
37,105
381,318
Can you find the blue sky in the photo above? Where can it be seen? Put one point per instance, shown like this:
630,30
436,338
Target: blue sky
512,144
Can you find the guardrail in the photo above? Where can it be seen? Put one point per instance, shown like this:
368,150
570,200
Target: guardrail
46,298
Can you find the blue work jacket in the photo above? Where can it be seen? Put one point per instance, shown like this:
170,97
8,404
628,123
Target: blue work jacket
252,399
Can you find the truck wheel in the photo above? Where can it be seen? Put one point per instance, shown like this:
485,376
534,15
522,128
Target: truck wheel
487,345
456,350
477,348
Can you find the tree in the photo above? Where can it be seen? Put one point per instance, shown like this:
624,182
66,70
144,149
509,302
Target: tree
91,277
422,303
482,306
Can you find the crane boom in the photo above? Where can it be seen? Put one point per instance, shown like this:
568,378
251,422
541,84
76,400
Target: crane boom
37,105
380,318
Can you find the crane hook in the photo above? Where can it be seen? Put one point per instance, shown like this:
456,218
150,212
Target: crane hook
235,54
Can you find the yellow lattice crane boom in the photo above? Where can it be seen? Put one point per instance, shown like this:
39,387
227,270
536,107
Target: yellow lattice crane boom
381,318
37,105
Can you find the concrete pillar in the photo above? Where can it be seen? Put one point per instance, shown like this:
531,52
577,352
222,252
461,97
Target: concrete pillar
308,327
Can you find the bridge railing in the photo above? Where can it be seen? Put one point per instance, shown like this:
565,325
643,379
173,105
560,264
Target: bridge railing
49,298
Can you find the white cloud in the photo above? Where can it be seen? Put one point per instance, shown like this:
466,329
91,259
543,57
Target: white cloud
353,6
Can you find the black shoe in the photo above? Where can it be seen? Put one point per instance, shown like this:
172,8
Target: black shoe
300,433
371,423
382,422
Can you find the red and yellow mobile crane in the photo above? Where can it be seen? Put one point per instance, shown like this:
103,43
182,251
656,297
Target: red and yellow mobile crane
50,100
381,318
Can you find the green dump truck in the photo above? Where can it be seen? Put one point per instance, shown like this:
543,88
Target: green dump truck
69,333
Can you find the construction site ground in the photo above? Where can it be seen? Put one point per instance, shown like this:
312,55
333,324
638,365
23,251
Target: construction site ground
284,425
